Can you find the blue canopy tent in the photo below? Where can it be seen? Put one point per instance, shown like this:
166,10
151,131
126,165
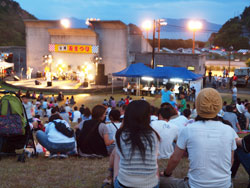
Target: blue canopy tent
135,71
175,72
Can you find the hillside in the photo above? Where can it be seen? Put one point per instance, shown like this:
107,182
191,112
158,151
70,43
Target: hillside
12,29
235,32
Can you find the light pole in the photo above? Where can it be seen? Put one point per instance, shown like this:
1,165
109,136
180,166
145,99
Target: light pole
194,26
147,26
229,59
160,22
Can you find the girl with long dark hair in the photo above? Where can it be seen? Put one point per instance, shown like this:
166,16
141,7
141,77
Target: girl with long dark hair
137,147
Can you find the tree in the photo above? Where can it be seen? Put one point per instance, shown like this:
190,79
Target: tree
248,62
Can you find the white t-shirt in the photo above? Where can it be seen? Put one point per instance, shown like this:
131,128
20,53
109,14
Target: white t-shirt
28,107
112,130
168,133
234,91
210,145
67,109
76,116
180,122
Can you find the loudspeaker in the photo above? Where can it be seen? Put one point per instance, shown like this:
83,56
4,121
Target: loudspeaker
49,84
101,80
85,84
100,69
16,78
38,74
37,82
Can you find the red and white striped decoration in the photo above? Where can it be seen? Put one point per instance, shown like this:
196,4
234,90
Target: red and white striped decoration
51,47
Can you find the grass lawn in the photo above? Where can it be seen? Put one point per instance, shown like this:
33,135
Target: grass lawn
80,172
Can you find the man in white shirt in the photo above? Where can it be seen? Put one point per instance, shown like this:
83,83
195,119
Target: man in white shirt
234,94
167,131
76,115
28,108
210,145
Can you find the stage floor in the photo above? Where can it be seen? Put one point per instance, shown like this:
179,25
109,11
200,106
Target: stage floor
57,85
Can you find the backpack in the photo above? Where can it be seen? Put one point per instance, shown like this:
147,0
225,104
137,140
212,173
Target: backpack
12,118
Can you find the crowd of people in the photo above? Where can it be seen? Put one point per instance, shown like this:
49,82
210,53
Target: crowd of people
135,134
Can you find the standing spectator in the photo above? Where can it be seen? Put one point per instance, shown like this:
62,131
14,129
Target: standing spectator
67,101
193,93
210,156
235,78
183,104
76,115
136,150
166,93
41,96
28,108
234,94
168,133
247,114
232,118
210,75
52,98
45,105
28,94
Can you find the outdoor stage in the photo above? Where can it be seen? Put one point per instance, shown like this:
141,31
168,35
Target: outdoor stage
66,86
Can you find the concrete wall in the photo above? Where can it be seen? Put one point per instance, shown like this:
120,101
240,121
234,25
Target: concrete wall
37,42
113,45
19,57
175,60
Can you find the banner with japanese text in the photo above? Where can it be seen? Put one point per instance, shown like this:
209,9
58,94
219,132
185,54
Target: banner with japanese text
69,48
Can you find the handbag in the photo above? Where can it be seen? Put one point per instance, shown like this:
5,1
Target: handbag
10,124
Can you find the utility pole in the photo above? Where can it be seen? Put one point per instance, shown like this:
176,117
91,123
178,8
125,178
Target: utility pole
153,51
159,35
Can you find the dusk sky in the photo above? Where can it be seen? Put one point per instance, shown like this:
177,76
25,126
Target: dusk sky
135,11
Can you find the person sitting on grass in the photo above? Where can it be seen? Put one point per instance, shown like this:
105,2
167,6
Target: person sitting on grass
113,126
136,148
58,143
93,138
167,131
210,145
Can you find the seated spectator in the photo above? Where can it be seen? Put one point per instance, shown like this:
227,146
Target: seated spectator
239,111
67,109
247,114
168,133
86,114
94,136
76,115
115,124
82,109
153,113
34,95
105,102
232,118
122,111
187,114
112,102
64,114
136,150
210,145
60,96
54,140
72,100
48,111
51,105
121,102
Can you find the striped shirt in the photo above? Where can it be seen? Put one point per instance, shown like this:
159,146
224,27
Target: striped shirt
134,172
